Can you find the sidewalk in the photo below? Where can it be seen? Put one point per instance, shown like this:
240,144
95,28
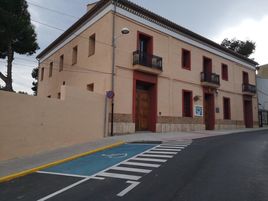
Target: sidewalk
21,164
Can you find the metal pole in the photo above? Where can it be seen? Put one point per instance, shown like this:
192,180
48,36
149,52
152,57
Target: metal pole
113,69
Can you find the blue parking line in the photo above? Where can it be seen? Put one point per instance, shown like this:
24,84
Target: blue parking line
91,164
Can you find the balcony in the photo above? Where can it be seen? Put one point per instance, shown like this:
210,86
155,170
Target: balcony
248,89
210,79
147,62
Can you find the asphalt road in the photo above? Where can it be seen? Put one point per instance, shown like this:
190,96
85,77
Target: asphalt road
224,168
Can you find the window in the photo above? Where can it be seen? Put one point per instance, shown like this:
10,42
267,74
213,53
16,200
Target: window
226,108
245,78
61,63
186,59
59,95
90,87
74,61
187,103
49,96
50,69
42,73
91,45
224,72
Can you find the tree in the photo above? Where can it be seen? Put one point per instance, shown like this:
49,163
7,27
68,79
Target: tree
245,48
17,35
35,83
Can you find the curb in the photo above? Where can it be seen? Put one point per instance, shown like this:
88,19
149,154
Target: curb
29,171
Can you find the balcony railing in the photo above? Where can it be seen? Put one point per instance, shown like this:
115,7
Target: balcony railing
249,88
148,60
211,78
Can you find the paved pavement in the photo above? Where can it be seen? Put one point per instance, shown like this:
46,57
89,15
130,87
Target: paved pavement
20,164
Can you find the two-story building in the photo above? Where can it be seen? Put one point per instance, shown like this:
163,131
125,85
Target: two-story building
164,77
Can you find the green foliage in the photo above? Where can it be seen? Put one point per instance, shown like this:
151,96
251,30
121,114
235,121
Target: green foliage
17,34
245,48
35,83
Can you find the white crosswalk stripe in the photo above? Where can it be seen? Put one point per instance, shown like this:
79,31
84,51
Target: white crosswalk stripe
149,159
162,149
131,169
156,155
172,147
119,176
141,164
161,152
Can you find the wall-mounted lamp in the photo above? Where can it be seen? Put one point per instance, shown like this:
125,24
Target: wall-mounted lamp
197,98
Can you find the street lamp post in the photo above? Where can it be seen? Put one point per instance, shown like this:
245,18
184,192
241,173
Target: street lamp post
124,31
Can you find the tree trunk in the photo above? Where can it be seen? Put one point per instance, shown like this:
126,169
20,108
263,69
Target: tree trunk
10,58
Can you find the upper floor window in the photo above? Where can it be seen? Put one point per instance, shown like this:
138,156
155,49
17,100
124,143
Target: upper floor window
91,45
187,103
226,108
207,65
90,87
50,69
186,59
74,55
245,78
61,63
224,72
42,73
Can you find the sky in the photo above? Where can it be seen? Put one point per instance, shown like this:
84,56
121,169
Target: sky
213,19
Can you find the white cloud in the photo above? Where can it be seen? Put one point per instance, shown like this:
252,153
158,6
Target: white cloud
250,29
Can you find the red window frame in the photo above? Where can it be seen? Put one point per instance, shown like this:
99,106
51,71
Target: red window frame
224,72
187,113
226,108
186,59
245,77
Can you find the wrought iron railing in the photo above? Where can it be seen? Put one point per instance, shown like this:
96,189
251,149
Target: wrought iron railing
249,88
148,60
210,78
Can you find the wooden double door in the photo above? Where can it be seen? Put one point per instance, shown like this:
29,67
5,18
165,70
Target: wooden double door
144,106
209,111
248,113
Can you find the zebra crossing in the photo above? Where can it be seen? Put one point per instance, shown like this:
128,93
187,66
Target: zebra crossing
138,166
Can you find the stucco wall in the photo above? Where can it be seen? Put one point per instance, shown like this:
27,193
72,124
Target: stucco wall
30,125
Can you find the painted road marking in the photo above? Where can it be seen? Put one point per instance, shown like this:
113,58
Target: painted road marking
161,152
64,189
55,173
131,169
149,159
141,164
160,149
104,173
155,155
119,176
170,144
133,184
173,147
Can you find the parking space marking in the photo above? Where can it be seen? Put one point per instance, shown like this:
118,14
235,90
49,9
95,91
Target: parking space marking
64,189
119,176
152,154
149,159
156,156
62,174
161,152
131,169
141,164
160,149
129,188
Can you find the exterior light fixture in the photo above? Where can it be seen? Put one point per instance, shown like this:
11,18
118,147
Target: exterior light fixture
125,31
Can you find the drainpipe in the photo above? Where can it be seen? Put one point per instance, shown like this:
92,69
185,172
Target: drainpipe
113,67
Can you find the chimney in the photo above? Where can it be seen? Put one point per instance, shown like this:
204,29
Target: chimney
91,5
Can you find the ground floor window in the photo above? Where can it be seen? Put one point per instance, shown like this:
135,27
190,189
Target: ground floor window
226,108
187,103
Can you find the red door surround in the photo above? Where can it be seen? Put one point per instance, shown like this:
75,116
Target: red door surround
209,108
152,81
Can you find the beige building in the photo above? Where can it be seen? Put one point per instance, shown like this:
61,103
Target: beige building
164,77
